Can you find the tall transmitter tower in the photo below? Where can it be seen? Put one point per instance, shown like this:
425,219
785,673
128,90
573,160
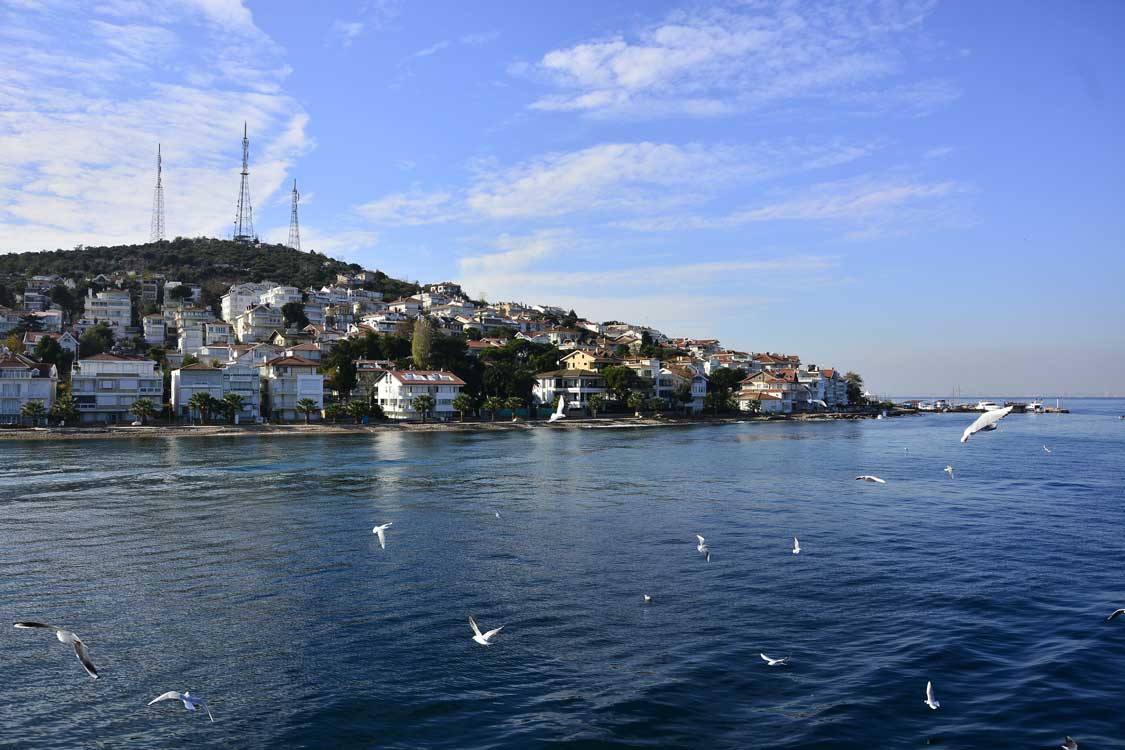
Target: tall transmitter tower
244,219
156,233
294,226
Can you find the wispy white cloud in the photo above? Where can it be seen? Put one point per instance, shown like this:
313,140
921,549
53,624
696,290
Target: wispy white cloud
720,60
433,49
345,32
411,209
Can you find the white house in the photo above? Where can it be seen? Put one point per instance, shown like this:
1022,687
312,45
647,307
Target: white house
289,380
66,341
113,307
576,386
240,297
257,323
22,380
155,330
280,295
397,389
217,382
106,385
217,332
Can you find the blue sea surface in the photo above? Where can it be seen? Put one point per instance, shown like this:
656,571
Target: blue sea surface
245,570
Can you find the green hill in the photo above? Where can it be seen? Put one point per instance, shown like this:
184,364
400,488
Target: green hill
199,260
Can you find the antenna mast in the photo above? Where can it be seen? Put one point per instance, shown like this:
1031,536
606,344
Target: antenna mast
244,220
294,226
156,231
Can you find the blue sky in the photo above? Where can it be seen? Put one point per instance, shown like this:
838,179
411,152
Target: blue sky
928,193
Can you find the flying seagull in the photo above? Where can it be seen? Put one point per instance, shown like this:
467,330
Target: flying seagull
560,412
1069,743
703,548
948,470
68,637
1046,449
869,478
775,662
931,701
497,514
1115,615
986,421
648,599
796,546
483,638
382,537
190,701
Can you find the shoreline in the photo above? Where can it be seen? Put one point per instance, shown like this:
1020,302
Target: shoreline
204,431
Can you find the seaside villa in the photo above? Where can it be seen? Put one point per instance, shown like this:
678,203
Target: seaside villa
395,391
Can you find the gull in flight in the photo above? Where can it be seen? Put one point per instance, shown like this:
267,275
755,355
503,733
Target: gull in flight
1046,449
483,639
869,478
190,701
948,470
931,701
68,637
648,599
382,537
1117,613
986,421
497,514
560,412
796,546
703,548
1069,744
775,662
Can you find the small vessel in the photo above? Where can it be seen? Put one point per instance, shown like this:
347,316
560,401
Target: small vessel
988,406
941,405
1035,407
925,406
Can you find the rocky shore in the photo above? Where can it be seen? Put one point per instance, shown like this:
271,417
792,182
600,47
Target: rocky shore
274,430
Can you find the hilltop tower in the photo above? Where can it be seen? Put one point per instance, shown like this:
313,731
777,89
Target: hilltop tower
244,219
156,232
294,226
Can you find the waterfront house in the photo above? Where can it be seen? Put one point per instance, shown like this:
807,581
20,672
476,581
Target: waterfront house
287,381
395,391
763,401
106,385
575,386
189,380
22,380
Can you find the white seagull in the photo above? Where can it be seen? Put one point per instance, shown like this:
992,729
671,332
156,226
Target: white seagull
948,470
986,421
648,599
931,701
190,701
1117,613
483,638
796,546
1069,744
1046,449
702,547
869,478
68,637
560,412
497,514
379,531
775,662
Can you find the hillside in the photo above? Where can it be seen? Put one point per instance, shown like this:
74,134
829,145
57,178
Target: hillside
196,260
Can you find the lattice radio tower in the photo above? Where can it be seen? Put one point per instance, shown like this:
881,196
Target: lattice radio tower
244,219
156,232
294,226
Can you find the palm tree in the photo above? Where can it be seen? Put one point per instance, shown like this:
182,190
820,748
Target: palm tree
635,401
595,403
656,405
513,403
423,404
143,408
64,408
33,410
202,402
357,410
493,404
306,406
232,405
333,412
463,403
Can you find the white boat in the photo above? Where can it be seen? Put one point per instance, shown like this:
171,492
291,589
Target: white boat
988,406
925,406
1035,407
